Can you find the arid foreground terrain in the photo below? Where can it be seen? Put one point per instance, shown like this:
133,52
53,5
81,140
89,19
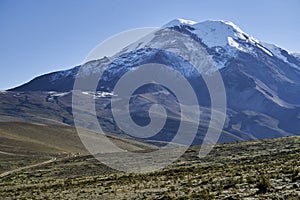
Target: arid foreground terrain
51,168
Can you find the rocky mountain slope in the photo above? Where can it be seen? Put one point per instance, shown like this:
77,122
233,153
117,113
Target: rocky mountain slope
262,81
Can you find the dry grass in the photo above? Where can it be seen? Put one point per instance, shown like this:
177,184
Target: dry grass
267,169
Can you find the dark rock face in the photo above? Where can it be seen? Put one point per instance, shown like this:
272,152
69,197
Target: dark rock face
61,81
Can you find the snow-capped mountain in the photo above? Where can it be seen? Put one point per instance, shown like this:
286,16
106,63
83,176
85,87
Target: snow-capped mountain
223,39
262,80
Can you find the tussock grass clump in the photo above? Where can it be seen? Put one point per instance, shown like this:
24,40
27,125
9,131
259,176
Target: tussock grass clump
264,184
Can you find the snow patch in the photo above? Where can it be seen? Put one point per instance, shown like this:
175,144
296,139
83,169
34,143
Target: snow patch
233,43
297,55
276,51
184,21
214,33
178,22
103,94
58,94
99,94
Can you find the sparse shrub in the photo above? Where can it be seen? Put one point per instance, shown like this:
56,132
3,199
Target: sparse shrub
295,175
250,180
166,196
231,183
203,195
172,188
264,184
189,183
220,188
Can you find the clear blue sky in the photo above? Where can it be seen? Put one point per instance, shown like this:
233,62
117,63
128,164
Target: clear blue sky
40,36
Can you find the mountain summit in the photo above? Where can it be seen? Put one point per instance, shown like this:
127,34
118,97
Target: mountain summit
227,38
213,32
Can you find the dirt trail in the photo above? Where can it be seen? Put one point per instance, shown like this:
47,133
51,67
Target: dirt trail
27,167
6,153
